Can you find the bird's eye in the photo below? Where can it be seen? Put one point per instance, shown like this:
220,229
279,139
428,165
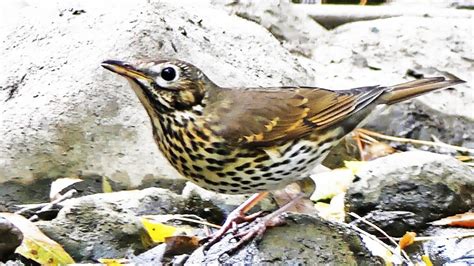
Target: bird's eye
168,73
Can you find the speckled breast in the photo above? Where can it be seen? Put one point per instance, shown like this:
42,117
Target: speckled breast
208,161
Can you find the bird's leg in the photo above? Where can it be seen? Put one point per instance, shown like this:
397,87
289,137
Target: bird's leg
270,220
237,216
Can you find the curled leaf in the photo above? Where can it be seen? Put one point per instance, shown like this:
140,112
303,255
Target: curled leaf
36,245
177,245
464,220
407,239
158,231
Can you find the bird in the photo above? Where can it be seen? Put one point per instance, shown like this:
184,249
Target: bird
235,140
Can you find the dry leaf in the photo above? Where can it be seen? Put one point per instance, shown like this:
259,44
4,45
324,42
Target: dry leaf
332,183
177,245
334,211
426,260
114,262
106,187
60,184
354,166
158,231
407,239
377,149
464,220
36,245
291,191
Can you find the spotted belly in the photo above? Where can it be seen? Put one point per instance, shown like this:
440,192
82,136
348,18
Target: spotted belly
214,166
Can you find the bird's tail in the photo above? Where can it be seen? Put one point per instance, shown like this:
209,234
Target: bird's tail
417,87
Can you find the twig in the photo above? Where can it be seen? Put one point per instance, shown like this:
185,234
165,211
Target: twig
29,207
197,220
389,248
428,238
360,146
383,233
48,206
415,141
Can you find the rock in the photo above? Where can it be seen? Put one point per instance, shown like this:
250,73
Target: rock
421,5
391,51
107,225
62,114
227,203
296,31
332,16
15,192
90,229
450,250
153,256
11,238
417,185
303,240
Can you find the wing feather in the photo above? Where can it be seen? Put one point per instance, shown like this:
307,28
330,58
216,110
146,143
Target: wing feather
262,117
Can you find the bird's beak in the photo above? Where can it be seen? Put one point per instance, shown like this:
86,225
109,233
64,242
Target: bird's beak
125,69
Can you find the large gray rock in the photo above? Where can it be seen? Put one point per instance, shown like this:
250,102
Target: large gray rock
405,191
61,113
10,240
394,50
296,31
303,240
107,225
450,250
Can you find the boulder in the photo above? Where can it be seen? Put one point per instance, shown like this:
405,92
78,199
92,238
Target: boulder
452,250
296,30
303,240
394,50
62,114
107,225
10,240
405,191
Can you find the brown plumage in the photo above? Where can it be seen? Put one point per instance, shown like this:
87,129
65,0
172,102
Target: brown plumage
242,140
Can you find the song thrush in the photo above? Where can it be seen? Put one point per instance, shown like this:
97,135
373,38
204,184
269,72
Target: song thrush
247,140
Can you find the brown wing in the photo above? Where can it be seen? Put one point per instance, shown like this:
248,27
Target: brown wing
261,117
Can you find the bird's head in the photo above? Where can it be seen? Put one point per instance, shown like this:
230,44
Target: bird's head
164,85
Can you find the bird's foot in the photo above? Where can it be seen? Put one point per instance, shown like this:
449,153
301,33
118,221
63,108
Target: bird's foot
235,218
255,230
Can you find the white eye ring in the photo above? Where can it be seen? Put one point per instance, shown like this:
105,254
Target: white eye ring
167,74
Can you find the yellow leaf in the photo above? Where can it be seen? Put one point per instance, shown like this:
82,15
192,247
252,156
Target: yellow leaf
36,245
106,187
114,262
333,211
158,231
407,240
426,260
354,166
331,183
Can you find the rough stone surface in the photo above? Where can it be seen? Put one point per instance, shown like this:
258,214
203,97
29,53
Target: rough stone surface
90,229
61,113
449,251
394,50
107,225
296,31
304,240
425,186
15,192
11,238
